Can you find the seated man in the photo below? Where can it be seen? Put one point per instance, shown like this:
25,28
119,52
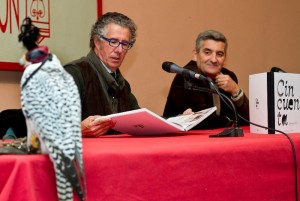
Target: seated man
13,119
209,59
102,87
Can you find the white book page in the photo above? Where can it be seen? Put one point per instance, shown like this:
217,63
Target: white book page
189,121
144,122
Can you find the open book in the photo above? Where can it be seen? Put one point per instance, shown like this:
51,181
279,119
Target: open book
144,122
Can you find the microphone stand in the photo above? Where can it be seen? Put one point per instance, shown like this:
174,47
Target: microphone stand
236,131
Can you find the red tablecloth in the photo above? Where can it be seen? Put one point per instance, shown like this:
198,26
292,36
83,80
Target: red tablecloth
188,166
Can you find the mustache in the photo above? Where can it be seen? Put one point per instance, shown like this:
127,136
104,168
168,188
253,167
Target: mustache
213,64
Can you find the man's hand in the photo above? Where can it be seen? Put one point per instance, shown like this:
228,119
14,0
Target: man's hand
188,111
226,83
95,126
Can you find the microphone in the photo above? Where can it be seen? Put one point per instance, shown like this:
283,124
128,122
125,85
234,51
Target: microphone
277,69
170,67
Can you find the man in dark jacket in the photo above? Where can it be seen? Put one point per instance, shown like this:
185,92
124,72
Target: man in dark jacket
209,59
15,120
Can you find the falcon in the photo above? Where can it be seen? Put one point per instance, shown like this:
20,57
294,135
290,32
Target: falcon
51,105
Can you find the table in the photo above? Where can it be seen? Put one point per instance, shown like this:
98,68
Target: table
186,166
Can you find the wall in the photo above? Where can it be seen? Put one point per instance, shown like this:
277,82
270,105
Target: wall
261,34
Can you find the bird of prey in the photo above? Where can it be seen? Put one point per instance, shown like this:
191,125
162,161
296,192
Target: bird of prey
52,109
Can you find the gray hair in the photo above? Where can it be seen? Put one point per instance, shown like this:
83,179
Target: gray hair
210,35
99,28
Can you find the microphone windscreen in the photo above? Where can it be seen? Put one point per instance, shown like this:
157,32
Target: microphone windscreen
167,66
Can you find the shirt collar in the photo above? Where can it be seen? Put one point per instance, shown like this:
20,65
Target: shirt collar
108,70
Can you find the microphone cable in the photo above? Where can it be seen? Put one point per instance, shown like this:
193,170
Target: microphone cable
232,107
293,150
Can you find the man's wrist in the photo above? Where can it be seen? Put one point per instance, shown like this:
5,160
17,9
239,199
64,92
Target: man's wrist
237,95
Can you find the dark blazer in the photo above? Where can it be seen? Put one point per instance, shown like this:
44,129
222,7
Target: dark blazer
100,93
182,97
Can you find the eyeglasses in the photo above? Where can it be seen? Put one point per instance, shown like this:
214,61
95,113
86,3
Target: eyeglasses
115,43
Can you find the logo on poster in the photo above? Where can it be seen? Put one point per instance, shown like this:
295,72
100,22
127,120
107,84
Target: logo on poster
16,10
286,102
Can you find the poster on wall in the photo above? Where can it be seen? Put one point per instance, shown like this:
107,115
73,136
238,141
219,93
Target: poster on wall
55,26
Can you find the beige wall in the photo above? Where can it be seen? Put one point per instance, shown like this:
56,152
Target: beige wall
261,34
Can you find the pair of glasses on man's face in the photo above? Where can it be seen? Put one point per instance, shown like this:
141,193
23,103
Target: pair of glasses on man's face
126,45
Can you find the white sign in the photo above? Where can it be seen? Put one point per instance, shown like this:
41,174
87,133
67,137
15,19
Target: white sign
274,102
